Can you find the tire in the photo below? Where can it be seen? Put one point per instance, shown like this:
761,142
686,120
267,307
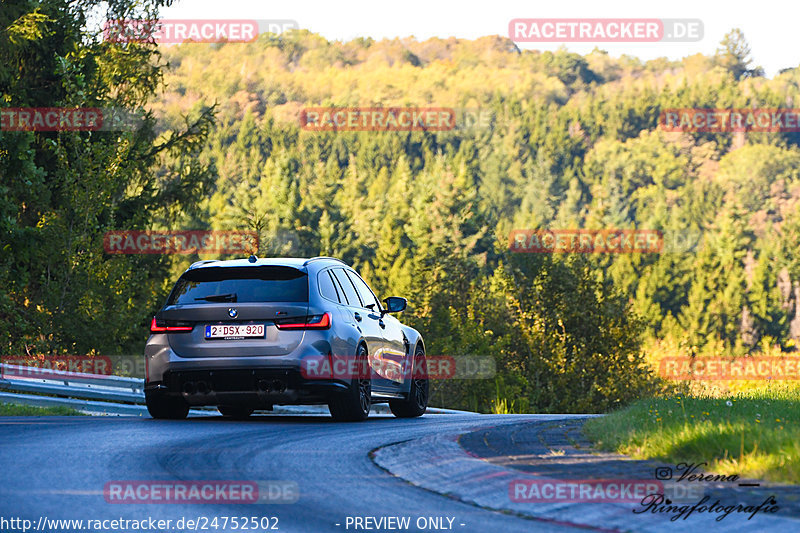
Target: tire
417,402
354,404
239,412
165,407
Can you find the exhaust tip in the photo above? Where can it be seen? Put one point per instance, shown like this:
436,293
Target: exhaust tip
278,385
202,387
263,385
189,387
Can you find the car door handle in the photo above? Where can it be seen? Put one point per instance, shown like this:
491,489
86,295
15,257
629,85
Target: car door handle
357,316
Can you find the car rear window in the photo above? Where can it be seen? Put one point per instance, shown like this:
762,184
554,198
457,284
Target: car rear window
240,284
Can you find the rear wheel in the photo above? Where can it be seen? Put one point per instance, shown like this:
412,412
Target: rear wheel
166,407
417,401
354,404
235,411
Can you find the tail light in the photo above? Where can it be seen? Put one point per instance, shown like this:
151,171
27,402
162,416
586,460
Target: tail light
322,321
162,327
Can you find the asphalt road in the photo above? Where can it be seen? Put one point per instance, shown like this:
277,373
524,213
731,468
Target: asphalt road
58,467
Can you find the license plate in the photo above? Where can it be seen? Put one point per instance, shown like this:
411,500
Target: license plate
235,332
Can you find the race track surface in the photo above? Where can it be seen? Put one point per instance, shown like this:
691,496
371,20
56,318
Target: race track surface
57,468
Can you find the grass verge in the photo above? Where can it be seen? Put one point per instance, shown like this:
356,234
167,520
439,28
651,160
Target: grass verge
13,409
752,434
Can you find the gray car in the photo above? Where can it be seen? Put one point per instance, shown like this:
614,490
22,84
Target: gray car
249,334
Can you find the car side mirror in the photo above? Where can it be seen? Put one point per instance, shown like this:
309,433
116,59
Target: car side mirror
395,304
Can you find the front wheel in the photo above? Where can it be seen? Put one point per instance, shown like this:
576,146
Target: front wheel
166,407
417,401
354,404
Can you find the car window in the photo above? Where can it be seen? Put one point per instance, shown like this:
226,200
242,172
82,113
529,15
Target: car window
338,286
326,287
367,296
240,284
347,287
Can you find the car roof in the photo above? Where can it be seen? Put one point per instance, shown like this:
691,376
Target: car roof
296,262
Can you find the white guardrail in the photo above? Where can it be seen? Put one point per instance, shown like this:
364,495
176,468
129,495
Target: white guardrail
71,389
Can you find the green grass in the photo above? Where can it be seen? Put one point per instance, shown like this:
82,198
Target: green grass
12,409
752,434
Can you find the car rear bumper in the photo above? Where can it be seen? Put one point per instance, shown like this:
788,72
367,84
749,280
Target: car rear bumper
252,386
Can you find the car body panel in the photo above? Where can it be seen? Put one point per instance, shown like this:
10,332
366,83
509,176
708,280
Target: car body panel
269,371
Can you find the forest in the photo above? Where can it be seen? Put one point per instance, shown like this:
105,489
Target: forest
563,142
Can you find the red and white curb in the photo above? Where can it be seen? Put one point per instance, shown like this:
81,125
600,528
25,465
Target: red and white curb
439,464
